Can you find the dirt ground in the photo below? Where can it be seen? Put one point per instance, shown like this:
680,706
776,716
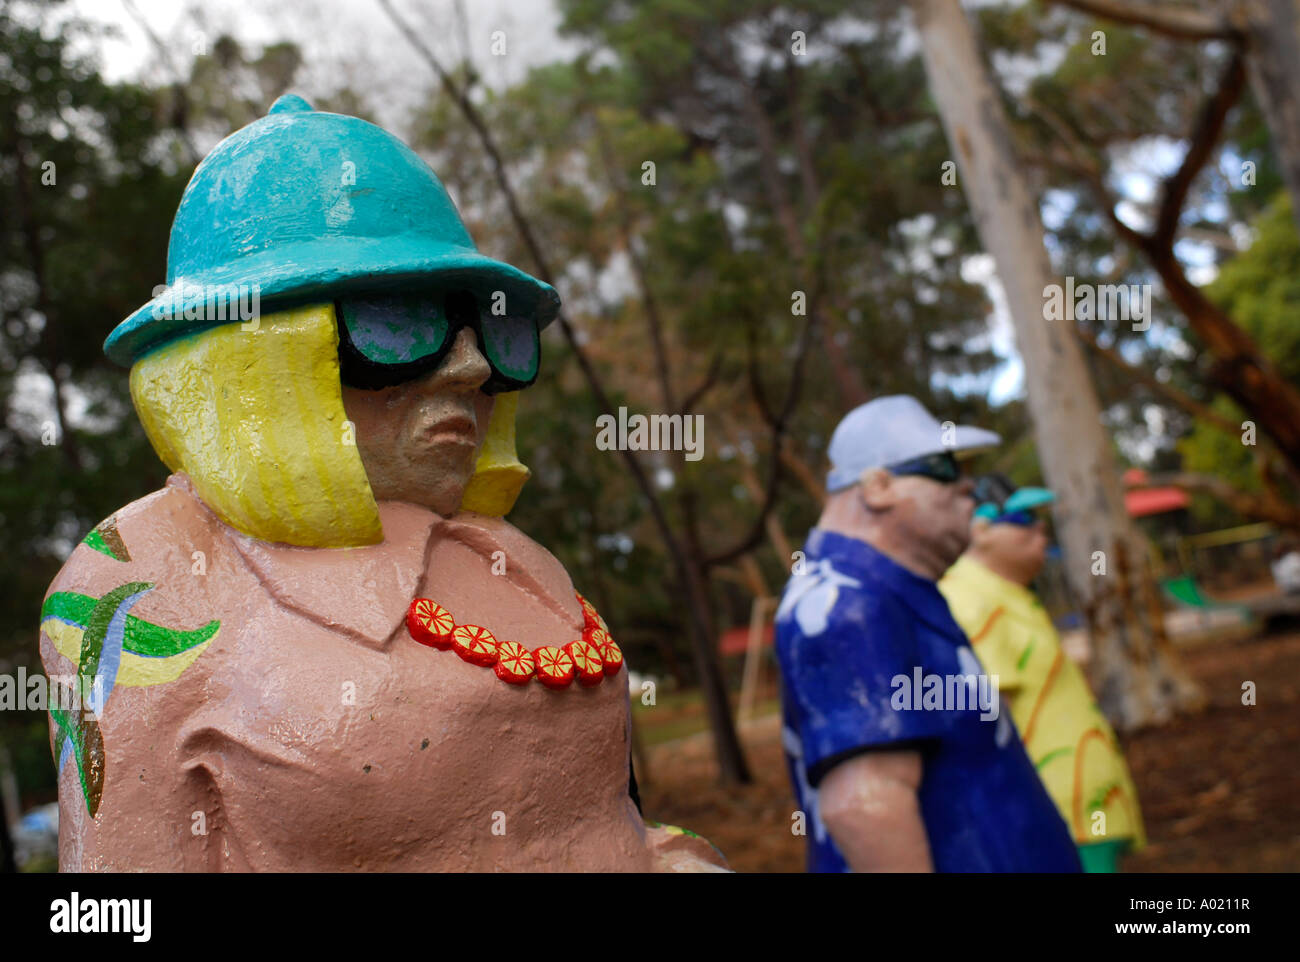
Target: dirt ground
1220,791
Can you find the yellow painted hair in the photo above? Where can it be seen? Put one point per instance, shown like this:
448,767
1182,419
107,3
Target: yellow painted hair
255,418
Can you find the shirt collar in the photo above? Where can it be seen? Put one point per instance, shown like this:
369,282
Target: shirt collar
362,592
992,585
921,595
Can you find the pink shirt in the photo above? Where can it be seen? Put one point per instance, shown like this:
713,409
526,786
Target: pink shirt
314,734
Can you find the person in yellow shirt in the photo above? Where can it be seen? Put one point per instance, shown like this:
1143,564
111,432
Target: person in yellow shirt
1069,740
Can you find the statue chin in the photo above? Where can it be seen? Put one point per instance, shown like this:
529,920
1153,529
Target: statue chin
442,498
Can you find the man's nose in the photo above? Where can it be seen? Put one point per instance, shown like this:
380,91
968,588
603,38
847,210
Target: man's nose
464,368
966,486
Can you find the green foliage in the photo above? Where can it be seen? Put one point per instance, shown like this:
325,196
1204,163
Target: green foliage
1260,289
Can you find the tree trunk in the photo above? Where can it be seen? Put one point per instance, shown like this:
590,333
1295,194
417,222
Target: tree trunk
1273,66
1136,683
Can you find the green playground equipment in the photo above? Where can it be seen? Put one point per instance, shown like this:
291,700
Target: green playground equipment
1184,591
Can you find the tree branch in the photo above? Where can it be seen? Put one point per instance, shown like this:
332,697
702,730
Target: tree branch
1260,507
778,423
710,378
654,322
1182,23
1203,140
1168,391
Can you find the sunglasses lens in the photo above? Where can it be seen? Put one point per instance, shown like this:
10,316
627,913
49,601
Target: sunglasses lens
936,467
1022,518
395,330
388,339
513,349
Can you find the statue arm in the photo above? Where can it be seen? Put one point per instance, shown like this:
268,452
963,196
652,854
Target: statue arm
869,804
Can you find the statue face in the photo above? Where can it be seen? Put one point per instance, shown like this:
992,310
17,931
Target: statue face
1019,549
419,440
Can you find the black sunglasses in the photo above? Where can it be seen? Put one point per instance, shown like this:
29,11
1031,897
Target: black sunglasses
386,339
944,468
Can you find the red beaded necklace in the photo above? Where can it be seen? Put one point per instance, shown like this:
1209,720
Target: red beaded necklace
589,658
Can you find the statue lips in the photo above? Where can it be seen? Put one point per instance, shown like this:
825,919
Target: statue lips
453,429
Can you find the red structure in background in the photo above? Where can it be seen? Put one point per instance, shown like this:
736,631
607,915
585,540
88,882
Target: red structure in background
735,641
1141,501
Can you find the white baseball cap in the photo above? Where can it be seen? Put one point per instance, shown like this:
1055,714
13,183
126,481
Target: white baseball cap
891,430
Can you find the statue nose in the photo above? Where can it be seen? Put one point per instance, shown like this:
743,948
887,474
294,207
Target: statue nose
464,367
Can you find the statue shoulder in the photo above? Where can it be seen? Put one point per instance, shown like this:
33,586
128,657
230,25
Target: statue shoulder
513,552
165,559
163,535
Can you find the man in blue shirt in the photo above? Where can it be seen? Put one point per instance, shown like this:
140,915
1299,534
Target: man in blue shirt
900,755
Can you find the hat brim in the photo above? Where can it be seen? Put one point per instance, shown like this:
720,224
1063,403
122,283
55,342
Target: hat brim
1026,499
321,270
969,441
1022,499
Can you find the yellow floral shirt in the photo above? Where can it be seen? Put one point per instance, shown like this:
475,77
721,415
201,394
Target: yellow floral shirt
1067,737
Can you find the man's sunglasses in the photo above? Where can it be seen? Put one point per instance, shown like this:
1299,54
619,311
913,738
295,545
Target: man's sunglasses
1024,519
386,339
944,468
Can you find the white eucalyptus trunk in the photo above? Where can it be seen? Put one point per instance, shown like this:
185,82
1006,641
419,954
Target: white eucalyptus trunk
1137,681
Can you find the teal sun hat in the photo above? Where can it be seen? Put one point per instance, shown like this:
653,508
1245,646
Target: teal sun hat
998,497
304,206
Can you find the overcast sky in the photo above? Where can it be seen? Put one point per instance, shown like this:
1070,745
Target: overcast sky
344,42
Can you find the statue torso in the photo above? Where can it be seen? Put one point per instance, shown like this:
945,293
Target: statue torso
312,732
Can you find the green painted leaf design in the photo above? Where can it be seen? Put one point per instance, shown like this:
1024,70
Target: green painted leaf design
143,638
105,539
1052,755
140,637
87,752
1094,804
96,540
92,642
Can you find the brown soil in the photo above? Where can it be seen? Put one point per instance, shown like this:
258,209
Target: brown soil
1220,791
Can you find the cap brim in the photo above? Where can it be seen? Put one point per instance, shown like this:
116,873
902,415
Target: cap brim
1025,499
969,441
323,270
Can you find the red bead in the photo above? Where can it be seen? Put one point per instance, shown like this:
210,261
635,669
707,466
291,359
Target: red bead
515,663
612,655
586,662
475,644
430,623
554,666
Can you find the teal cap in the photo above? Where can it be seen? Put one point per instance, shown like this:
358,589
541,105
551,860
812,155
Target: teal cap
1022,499
303,206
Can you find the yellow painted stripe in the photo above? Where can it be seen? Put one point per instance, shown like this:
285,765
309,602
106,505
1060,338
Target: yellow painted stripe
134,671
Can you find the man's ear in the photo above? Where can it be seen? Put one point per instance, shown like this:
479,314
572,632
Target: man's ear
877,487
